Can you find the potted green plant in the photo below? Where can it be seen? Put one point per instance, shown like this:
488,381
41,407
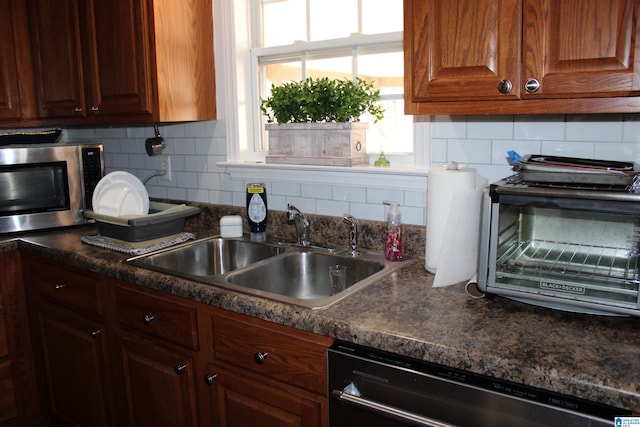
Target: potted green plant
317,121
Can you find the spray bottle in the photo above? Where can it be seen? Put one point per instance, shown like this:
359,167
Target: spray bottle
393,245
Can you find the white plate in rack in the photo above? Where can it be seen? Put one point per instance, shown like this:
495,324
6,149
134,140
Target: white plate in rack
120,193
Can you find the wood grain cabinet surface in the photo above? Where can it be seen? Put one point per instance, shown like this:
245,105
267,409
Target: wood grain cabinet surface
126,355
126,61
71,342
17,90
19,402
267,374
521,56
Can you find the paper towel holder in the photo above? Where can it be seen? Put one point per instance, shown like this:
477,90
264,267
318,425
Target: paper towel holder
452,166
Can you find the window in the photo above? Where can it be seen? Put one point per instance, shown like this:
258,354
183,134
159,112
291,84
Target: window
296,39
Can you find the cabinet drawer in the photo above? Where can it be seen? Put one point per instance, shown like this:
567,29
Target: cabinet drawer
286,357
67,285
161,318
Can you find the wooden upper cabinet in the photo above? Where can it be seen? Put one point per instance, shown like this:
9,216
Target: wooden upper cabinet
58,58
461,49
125,61
9,94
521,56
581,48
17,97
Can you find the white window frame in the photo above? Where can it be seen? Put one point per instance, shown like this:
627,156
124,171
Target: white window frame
237,85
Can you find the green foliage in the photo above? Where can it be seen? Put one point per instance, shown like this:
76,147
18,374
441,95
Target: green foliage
321,100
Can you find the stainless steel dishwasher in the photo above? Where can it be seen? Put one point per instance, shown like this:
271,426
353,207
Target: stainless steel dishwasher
373,388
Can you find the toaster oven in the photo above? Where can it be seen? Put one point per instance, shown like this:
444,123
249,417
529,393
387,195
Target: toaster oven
567,246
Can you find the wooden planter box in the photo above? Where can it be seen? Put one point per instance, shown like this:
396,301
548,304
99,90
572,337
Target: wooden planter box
324,144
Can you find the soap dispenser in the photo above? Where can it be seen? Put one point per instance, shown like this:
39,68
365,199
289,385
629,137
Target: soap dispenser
393,244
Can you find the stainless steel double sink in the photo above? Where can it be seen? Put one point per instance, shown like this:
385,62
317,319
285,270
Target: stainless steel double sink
279,271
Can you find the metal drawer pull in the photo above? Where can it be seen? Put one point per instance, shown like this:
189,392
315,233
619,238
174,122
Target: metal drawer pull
95,333
209,378
148,318
60,286
77,110
260,357
387,411
182,368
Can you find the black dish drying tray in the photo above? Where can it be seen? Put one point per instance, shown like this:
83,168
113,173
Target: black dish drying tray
164,219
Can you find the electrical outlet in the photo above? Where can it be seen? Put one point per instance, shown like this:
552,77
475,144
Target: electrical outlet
165,165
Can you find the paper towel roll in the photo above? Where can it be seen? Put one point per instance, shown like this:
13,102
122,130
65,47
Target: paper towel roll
453,223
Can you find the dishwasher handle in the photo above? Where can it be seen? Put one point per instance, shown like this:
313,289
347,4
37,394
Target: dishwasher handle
387,411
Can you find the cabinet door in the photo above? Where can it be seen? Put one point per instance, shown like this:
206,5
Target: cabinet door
461,50
159,384
9,92
92,58
58,58
73,355
118,57
584,48
237,400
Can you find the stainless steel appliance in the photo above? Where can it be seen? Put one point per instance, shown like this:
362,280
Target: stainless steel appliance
373,388
47,185
564,234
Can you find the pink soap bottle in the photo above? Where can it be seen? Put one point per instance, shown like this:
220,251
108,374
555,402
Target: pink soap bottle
393,245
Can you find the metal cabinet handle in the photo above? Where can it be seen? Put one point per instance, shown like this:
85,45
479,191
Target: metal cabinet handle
505,86
77,110
148,318
59,286
182,368
209,378
260,357
532,85
95,333
390,412
95,109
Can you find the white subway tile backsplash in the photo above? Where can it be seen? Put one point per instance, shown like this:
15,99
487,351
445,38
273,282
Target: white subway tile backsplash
594,128
569,148
474,141
188,180
490,127
413,215
416,198
377,196
469,151
449,127
622,151
286,189
367,212
317,191
350,194
438,152
543,127
332,208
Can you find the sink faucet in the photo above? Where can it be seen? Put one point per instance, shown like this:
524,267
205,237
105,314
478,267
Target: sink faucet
354,228
302,224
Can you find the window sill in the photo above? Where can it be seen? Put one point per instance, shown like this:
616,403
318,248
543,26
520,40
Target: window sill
395,178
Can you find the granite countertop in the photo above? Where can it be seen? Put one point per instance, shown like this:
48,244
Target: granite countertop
592,357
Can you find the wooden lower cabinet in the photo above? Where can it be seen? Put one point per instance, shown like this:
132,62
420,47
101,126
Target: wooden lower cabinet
74,364
238,399
159,385
111,353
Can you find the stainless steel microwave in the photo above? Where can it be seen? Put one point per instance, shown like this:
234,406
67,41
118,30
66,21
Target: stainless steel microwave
47,185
